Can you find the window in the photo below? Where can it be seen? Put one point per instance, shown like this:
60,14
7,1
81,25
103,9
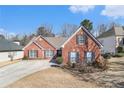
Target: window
81,39
33,53
73,57
49,53
123,41
90,56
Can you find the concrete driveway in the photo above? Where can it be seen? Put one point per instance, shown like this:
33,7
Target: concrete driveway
14,72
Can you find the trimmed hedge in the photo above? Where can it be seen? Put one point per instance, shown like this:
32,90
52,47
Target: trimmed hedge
59,60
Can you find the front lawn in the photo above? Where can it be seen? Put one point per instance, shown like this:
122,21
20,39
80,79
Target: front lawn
119,54
52,78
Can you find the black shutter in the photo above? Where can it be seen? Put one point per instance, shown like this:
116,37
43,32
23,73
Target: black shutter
28,53
93,56
37,53
69,56
85,38
77,39
85,58
44,53
77,59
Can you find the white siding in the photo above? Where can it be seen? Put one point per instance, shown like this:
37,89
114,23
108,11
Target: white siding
16,55
109,44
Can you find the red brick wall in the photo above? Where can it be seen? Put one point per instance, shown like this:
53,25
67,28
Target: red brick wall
34,47
43,43
73,46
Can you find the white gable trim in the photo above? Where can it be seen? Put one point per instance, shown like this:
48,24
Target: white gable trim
38,45
47,41
86,31
71,37
31,42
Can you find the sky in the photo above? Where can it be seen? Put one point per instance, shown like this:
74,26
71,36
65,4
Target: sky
26,19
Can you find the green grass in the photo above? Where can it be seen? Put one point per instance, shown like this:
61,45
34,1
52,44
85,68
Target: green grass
121,54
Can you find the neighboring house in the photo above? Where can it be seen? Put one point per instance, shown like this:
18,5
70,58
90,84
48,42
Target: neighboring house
17,42
82,46
10,51
111,39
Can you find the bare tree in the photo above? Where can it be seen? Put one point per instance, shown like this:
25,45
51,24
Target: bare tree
68,29
46,31
102,28
16,37
24,40
112,24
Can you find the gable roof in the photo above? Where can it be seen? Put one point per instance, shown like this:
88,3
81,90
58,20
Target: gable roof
58,42
6,45
87,32
114,31
119,30
30,42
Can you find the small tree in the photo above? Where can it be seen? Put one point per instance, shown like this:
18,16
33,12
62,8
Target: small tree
87,24
59,60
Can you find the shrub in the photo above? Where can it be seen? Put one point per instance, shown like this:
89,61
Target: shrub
103,63
59,60
72,65
117,55
25,58
107,55
120,49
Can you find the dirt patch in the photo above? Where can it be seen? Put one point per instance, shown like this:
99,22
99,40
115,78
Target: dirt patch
52,78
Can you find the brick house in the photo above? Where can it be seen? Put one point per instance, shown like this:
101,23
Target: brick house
82,46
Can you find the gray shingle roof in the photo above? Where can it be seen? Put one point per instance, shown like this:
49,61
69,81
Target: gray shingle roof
119,30
6,45
56,41
114,31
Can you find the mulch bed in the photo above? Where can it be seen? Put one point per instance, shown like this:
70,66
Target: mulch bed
88,74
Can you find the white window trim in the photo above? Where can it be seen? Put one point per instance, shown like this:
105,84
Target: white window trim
89,57
81,39
49,53
73,61
32,54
